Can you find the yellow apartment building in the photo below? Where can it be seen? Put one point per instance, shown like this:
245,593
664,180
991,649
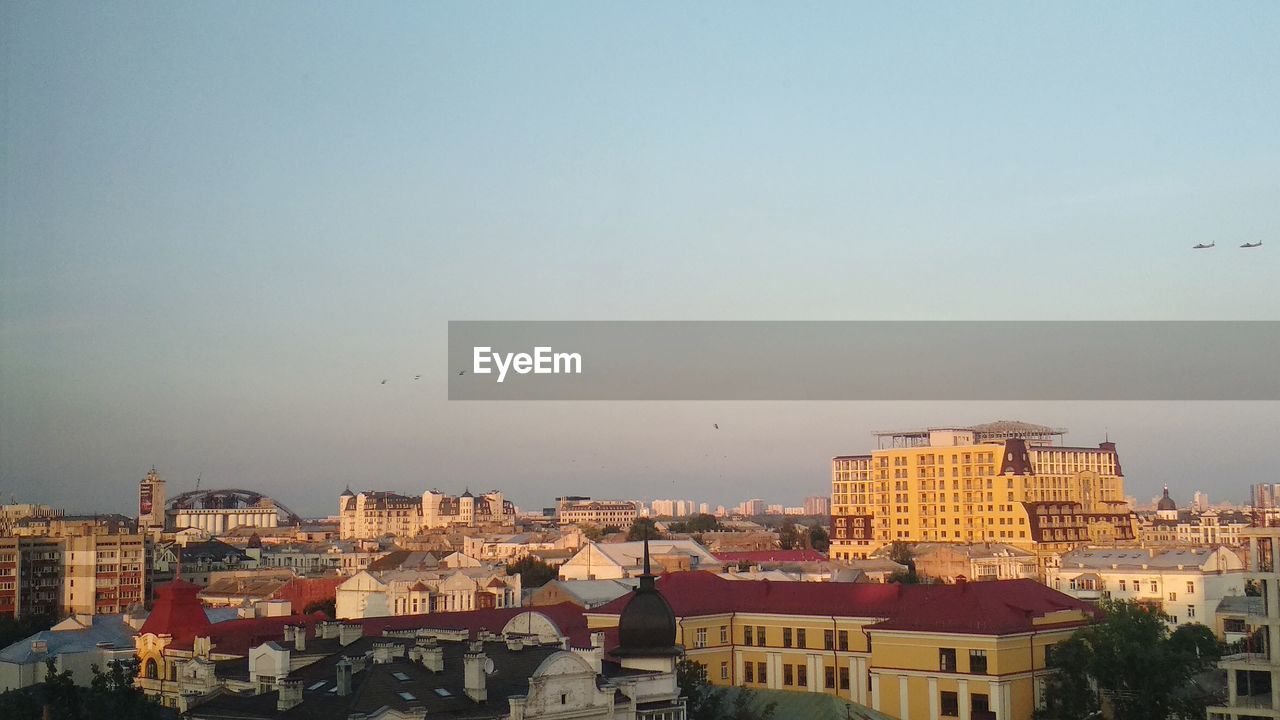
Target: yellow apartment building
1008,482
975,651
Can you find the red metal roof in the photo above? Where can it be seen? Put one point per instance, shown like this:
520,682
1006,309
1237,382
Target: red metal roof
177,612
996,607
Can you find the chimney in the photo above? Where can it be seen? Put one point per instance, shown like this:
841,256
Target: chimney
290,694
349,633
473,673
299,637
344,677
383,652
288,633
432,654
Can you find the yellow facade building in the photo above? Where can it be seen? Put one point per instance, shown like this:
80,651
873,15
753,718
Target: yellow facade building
1007,482
975,651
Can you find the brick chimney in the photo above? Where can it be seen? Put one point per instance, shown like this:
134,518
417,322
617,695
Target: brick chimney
344,677
349,633
299,637
473,673
290,694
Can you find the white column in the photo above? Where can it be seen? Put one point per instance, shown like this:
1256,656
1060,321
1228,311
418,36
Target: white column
933,698
775,671
817,673
858,671
904,699
875,691
963,696
738,665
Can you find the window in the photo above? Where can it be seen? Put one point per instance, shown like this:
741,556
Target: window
1173,596
844,678
828,639
1191,588
746,634
760,636
980,704
800,637
1122,587
788,676
724,671
949,705
762,672
1234,625
978,661
947,659
802,676
829,677
1191,611
724,634
1154,588
410,696
844,639
786,637
1048,656
749,672
564,698
700,638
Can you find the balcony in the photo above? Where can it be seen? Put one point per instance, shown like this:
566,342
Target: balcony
1245,661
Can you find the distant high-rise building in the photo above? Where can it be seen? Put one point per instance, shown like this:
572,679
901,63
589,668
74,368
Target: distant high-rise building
704,508
151,499
755,506
817,505
774,509
1200,501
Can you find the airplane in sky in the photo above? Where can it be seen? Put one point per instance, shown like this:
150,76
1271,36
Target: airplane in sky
1257,244
1202,246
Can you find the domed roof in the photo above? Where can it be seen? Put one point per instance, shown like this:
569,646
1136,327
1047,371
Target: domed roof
347,492
647,626
1166,502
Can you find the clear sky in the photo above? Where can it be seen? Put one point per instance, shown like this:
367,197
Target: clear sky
225,223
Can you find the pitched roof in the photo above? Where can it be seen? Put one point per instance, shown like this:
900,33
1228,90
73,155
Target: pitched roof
998,607
177,611
994,607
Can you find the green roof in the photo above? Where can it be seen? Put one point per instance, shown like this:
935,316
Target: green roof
808,705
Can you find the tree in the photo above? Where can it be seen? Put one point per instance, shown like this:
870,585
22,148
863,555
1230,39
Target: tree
704,701
643,528
14,629
61,698
532,571
818,538
1138,668
328,607
114,695
610,529
790,537
903,554
700,523
591,532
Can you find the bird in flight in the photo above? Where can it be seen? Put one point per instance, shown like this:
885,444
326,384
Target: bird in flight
417,377
717,425
1257,244
1202,246
384,382
462,372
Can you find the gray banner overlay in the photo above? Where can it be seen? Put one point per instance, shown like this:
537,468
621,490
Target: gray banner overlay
1192,360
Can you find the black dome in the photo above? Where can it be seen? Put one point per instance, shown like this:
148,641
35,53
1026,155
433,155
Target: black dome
647,626
1166,502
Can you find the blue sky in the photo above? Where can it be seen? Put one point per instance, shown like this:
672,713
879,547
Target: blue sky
224,223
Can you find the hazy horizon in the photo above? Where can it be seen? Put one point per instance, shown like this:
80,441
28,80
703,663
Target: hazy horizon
223,226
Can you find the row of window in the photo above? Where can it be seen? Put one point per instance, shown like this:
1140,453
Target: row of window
831,639
792,675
